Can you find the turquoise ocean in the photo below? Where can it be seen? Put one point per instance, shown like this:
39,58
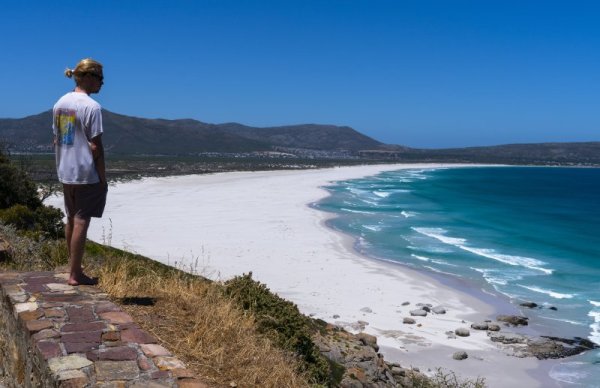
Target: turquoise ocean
519,233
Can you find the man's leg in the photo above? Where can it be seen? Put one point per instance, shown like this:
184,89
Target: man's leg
76,233
68,235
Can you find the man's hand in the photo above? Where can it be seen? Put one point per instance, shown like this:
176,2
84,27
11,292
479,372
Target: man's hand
98,153
94,149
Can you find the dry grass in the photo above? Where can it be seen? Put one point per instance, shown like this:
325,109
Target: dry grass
193,319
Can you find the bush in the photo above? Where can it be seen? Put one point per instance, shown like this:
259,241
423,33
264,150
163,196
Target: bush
45,220
281,321
49,221
19,216
21,206
16,188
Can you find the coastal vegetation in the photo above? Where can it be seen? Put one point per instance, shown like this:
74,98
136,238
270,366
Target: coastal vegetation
21,206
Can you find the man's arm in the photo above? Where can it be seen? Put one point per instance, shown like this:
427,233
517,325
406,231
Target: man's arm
98,154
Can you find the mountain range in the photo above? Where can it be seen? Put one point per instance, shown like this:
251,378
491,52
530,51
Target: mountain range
127,135
139,136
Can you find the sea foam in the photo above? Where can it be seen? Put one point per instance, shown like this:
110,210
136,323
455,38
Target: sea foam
595,326
422,258
382,194
487,275
554,294
570,372
528,262
355,211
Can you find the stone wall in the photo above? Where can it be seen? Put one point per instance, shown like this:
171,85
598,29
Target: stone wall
18,364
56,335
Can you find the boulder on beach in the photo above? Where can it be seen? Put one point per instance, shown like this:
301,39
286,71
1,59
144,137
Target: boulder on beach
507,338
462,332
409,321
530,305
418,313
438,310
462,355
405,303
493,327
480,326
425,306
515,320
366,310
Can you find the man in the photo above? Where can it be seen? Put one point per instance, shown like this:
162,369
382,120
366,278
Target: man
80,166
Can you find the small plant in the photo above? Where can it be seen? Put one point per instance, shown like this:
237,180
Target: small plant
107,236
443,379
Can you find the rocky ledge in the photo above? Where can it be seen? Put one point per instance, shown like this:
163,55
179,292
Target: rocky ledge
543,347
358,362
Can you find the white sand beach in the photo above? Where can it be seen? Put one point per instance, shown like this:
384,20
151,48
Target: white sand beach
228,224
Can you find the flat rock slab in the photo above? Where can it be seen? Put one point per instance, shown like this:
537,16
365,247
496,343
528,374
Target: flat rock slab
72,378
59,287
72,362
168,363
116,317
119,353
153,350
85,339
116,370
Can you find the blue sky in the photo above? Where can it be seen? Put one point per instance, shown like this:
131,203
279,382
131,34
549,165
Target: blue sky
419,73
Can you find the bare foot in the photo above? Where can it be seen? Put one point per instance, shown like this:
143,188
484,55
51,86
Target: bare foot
82,280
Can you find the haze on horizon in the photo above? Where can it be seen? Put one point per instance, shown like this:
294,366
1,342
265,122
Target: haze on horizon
427,74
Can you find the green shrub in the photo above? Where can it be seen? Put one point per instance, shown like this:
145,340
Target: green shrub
21,206
281,321
44,221
49,221
16,188
19,216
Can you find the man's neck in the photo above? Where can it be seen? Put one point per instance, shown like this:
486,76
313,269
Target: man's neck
78,89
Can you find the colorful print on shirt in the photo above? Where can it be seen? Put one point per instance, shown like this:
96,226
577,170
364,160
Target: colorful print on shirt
65,124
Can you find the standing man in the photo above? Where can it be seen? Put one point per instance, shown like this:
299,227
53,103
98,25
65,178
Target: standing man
78,131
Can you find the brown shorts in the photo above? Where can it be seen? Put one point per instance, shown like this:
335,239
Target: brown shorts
85,201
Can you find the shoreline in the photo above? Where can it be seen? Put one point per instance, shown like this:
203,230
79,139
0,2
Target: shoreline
492,359
233,223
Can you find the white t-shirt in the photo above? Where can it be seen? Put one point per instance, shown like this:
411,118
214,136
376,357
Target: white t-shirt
77,120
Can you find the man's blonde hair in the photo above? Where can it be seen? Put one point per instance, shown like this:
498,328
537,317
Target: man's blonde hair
87,65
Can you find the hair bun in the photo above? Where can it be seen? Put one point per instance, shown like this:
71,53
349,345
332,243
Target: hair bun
69,73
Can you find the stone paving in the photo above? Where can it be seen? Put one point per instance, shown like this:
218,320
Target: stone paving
84,339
